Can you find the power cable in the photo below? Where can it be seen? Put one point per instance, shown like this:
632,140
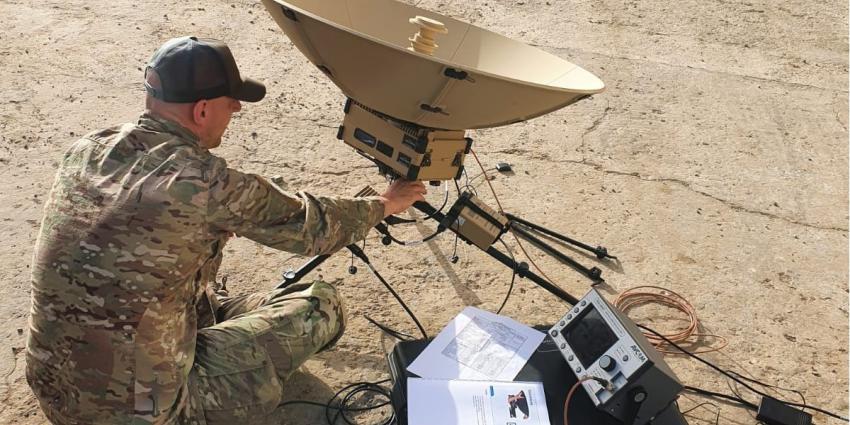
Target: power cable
384,230
365,259
733,376
575,387
401,336
727,397
703,404
513,276
346,398
445,202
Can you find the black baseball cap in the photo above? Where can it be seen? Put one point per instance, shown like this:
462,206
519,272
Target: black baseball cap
191,69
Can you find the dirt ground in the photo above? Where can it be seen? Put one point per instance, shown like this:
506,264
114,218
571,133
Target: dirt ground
715,164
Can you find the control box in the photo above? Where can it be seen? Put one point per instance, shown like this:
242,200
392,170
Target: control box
597,340
474,221
404,149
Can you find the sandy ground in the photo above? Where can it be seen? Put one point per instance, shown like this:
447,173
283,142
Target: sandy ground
715,165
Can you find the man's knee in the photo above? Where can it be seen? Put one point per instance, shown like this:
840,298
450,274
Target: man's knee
305,322
332,305
328,300
328,318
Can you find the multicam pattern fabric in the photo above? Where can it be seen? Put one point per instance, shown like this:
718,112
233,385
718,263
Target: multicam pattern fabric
241,362
129,247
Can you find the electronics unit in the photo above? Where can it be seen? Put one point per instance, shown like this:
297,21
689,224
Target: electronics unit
474,221
403,149
598,340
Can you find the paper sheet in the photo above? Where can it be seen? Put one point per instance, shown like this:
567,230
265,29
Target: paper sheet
442,402
478,345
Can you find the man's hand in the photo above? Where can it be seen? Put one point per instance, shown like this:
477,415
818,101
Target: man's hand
401,195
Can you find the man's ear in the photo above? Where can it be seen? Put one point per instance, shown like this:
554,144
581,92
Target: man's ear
199,112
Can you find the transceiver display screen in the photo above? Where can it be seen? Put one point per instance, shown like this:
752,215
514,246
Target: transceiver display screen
589,336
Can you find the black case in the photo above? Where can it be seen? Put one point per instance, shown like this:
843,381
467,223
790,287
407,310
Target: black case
546,365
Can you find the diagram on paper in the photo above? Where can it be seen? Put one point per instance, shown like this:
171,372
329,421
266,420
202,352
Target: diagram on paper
485,346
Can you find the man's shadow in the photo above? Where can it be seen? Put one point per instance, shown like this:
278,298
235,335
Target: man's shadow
303,385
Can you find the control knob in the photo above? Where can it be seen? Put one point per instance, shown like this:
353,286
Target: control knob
607,363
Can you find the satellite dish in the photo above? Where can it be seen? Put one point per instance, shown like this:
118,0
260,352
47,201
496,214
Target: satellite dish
424,68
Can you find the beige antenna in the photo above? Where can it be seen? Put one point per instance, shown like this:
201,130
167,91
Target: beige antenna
410,102
424,41
475,79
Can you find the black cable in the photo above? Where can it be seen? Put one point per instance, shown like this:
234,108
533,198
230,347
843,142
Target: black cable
733,387
735,378
384,230
728,397
774,387
353,390
454,248
345,401
362,256
445,201
393,220
513,277
466,185
707,403
390,331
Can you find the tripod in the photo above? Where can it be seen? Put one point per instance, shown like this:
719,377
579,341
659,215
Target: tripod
520,227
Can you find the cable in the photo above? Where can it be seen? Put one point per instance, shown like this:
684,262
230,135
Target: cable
773,387
445,202
513,276
640,295
487,178
733,376
570,396
728,397
384,230
703,404
519,243
475,177
362,256
345,403
733,387
401,336
353,390
466,184
573,389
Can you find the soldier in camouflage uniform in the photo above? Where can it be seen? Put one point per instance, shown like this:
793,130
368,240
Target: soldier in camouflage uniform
125,325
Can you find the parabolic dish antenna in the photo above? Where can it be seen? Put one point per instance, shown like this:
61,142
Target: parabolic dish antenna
462,78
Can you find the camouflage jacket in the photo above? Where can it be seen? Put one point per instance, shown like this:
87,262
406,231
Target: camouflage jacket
132,237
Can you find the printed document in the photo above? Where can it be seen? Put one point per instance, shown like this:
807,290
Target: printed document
478,345
431,402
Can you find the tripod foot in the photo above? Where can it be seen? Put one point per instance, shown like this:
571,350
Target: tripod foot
595,273
602,253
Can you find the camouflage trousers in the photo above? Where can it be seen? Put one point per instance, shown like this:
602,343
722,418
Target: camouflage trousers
242,362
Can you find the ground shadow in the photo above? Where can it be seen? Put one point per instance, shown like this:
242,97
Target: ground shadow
304,386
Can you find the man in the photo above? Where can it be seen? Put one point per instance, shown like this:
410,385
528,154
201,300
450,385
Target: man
125,325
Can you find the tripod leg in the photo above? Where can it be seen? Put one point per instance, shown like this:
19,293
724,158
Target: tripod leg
294,276
594,273
503,258
600,251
